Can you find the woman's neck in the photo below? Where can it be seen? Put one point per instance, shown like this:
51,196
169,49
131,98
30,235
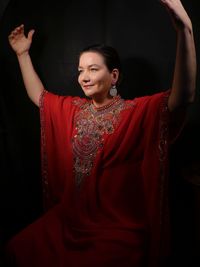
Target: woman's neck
101,101
99,104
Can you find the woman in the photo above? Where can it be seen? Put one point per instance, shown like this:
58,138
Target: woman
104,161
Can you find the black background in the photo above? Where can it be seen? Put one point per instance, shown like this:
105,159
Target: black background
142,33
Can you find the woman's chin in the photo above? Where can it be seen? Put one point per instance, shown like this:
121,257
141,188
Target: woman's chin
88,94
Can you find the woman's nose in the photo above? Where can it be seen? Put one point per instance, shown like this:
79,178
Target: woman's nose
85,76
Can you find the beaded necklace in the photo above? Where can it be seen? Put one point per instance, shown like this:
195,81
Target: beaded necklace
93,108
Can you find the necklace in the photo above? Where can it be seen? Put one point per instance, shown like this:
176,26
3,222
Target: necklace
104,107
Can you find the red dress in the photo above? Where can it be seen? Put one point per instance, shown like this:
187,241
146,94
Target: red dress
104,176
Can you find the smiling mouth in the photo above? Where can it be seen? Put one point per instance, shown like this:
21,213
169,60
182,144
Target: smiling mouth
87,86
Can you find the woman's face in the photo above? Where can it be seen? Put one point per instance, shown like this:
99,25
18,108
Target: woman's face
94,77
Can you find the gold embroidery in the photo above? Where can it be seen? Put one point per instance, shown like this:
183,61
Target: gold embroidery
90,127
45,183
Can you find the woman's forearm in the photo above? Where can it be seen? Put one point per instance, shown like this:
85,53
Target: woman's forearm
184,80
32,82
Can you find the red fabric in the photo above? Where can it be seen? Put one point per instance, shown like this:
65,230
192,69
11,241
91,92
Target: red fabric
117,216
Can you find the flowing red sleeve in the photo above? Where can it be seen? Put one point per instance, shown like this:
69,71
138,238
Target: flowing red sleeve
56,115
159,134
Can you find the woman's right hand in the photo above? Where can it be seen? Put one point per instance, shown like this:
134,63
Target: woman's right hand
19,42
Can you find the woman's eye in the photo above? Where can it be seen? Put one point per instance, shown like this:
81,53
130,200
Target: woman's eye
79,71
94,69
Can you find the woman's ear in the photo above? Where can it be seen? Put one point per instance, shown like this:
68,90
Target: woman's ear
115,75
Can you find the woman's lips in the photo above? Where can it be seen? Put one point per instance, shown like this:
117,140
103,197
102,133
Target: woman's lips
87,86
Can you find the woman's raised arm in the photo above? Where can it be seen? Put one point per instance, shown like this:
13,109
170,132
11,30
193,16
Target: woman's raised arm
21,45
184,80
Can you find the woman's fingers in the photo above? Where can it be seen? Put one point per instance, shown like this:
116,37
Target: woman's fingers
30,34
16,32
18,41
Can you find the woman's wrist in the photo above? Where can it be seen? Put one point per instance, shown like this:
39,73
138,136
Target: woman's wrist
22,54
187,30
186,27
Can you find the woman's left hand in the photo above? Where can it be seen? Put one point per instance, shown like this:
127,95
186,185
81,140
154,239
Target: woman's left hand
178,14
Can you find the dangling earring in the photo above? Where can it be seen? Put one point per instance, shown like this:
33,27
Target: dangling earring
113,90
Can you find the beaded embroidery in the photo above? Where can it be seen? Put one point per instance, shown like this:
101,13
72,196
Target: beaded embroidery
90,126
163,158
46,197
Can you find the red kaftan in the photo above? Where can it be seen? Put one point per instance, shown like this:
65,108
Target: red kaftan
104,176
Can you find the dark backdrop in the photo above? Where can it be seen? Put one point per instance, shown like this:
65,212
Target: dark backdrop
142,33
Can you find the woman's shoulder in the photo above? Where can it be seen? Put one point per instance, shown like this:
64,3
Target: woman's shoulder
150,98
56,98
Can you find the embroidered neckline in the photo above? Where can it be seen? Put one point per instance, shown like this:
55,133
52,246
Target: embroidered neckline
90,128
104,107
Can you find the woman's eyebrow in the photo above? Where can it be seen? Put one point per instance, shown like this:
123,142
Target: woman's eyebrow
92,65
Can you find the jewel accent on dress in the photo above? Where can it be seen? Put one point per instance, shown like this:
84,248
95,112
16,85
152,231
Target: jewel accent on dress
91,124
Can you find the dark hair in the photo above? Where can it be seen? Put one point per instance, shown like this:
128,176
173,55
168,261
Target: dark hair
109,54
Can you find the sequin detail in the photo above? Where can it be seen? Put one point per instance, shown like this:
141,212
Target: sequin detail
163,157
90,127
46,197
